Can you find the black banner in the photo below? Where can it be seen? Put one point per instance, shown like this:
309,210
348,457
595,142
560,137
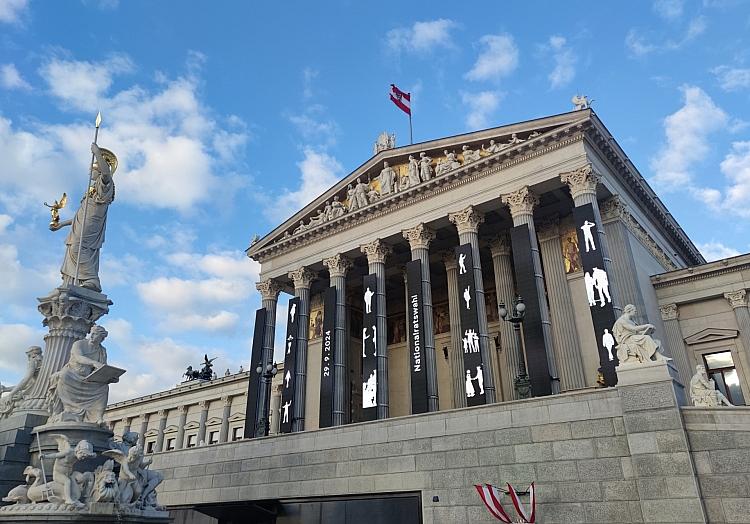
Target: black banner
597,283
326,358
467,299
290,366
536,354
253,384
415,329
369,348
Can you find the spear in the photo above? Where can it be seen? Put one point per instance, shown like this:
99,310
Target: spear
98,122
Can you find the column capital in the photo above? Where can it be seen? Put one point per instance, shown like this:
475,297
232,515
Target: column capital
419,236
613,208
269,289
302,278
548,228
337,265
376,251
520,202
582,181
125,420
226,400
162,413
182,409
669,312
449,259
203,404
500,246
467,220
736,298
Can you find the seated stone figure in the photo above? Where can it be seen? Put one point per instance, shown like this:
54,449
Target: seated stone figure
703,390
33,363
634,342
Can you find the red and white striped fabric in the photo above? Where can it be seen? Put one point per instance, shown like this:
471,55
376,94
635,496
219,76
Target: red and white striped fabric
491,496
401,99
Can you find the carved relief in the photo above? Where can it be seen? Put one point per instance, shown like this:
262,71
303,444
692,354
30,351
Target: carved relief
736,298
581,181
302,278
269,289
467,220
337,265
521,202
419,237
669,312
376,251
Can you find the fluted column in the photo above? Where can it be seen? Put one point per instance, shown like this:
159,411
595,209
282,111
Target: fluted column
454,314
182,410
675,346
125,425
566,342
505,292
376,252
582,183
144,428
337,266
738,301
275,413
302,279
521,204
162,425
419,238
269,292
224,432
467,223
204,417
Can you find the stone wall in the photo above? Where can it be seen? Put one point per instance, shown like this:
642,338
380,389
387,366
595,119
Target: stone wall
615,455
720,445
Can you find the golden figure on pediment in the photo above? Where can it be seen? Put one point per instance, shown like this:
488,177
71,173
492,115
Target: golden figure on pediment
570,251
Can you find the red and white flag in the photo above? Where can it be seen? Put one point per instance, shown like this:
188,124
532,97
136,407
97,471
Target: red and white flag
491,496
401,99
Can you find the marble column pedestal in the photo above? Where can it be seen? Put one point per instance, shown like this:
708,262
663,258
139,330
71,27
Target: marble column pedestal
647,372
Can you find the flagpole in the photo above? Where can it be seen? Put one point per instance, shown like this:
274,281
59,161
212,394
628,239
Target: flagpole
86,198
411,136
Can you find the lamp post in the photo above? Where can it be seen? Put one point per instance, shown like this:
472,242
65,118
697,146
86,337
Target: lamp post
266,376
521,384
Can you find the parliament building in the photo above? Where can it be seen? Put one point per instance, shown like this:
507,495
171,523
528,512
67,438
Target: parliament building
451,309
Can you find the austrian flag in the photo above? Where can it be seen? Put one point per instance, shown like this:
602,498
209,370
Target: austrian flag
401,99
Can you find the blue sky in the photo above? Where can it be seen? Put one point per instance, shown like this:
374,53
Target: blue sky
229,116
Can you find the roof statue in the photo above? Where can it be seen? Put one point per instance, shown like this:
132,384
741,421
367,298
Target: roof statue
385,141
581,102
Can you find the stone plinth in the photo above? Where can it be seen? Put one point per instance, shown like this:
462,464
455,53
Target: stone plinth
648,372
96,512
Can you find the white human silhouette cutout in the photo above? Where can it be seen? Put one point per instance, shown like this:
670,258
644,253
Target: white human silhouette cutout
462,263
287,378
369,391
589,282
285,407
608,341
467,297
374,341
364,338
588,237
601,283
292,311
469,386
368,299
480,380
289,341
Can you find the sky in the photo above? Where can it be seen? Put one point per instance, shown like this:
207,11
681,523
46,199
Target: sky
227,117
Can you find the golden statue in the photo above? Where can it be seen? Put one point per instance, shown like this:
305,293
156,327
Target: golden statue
55,208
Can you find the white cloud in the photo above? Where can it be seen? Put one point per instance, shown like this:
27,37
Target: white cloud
19,282
308,76
639,45
565,62
735,197
732,78
716,251
669,9
10,78
421,37
498,58
319,171
14,340
687,132
12,10
5,221
315,126
480,108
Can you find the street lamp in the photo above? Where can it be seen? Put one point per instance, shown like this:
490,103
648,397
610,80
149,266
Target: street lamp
266,375
522,384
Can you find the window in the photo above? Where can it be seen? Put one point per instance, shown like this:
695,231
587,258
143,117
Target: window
238,433
213,437
192,441
150,446
720,367
170,444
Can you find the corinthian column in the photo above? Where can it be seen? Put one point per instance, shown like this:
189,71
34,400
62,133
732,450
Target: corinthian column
567,345
225,414
302,279
675,346
182,410
269,293
454,316
505,292
419,238
582,183
738,301
521,204
162,425
376,252
467,223
337,266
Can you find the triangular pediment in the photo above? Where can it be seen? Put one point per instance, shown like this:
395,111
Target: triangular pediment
237,417
171,429
448,157
192,425
710,335
151,433
213,421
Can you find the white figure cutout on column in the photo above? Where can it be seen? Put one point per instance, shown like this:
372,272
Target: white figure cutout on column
292,311
480,380
467,297
364,338
462,264
287,377
588,280
608,341
369,391
285,407
368,300
470,341
469,385
374,341
601,282
289,344
588,237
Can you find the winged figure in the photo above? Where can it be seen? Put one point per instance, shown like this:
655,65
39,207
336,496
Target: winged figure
55,208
